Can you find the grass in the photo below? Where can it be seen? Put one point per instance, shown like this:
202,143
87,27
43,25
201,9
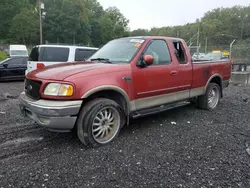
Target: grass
3,55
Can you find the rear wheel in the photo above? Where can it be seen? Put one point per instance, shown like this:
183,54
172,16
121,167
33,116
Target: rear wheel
99,122
211,98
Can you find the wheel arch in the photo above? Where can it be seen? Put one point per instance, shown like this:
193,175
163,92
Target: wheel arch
216,78
110,92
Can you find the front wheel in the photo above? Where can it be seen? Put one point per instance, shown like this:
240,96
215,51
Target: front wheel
99,122
211,98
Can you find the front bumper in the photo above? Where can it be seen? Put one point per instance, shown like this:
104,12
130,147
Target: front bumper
54,115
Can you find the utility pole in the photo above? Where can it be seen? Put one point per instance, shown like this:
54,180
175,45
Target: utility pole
198,38
40,20
231,46
242,28
206,45
242,25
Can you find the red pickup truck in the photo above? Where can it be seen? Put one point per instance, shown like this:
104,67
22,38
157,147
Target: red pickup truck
127,78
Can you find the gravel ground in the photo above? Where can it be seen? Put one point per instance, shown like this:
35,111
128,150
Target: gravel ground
201,149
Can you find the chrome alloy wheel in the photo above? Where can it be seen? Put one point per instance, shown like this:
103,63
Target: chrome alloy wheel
106,125
213,97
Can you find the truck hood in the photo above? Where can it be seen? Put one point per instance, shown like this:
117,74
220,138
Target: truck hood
61,71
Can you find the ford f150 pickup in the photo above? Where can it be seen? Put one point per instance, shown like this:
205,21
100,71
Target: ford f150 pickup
127,78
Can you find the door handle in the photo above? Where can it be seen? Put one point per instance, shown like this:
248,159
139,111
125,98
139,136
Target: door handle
173,73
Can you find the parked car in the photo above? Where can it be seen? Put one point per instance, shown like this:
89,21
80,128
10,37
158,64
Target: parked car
18,51
198,56
44,55
127,78
13,68
215,56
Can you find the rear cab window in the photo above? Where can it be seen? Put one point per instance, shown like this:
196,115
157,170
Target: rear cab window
51,54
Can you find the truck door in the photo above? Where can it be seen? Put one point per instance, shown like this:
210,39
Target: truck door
155,85
184,70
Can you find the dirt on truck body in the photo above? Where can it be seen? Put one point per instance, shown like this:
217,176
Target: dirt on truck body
127,78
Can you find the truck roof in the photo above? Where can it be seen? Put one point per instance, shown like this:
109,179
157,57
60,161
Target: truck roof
66,46
17,47
153,37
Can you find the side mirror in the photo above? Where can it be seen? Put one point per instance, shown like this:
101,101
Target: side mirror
5,65
148,59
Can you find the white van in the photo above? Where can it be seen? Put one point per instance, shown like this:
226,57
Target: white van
18,50
45,55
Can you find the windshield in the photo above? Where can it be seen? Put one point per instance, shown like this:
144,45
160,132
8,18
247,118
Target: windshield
213,56
121,50
19,52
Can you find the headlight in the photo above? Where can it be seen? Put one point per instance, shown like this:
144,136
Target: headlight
55,89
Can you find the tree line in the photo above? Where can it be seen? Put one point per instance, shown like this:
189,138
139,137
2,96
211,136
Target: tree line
86,22
82,22
218,28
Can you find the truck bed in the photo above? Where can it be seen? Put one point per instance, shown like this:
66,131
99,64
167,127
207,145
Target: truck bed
204,70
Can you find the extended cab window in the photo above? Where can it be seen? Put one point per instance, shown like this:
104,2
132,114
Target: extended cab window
180,52
159,50
83,54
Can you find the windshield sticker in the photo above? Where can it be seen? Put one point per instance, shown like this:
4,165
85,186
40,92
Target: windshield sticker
137,45
137,41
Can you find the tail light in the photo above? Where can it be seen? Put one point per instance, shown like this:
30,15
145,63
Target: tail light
40,65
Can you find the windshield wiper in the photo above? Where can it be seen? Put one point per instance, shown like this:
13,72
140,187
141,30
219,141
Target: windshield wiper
102,59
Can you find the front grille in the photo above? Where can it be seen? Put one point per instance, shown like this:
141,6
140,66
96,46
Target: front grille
32,88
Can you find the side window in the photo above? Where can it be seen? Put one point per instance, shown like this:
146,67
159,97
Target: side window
83,54
159,50
15,61
24,61
55,54
180,52
34,55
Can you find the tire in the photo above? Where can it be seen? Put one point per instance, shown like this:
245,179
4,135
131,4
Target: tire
96,116
206,102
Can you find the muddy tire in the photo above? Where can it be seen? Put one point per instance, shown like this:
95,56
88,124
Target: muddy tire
211,99
99,122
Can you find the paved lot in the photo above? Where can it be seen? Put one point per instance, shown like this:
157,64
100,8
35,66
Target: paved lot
203,149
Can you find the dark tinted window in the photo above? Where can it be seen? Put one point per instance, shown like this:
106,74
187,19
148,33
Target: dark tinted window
24,60
54,54
180,52
82,54
34,55
15,61
159,50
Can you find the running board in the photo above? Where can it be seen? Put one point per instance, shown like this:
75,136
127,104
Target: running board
157,109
